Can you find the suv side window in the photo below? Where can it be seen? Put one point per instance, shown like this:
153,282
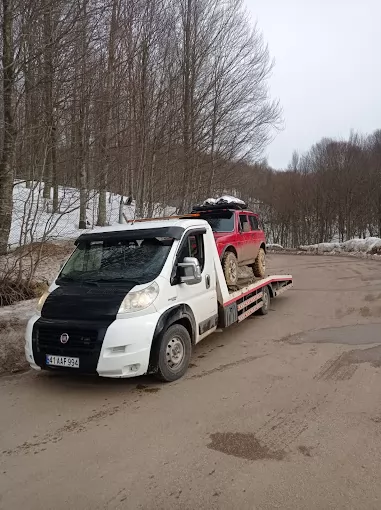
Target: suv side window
193,247
254,222
244,223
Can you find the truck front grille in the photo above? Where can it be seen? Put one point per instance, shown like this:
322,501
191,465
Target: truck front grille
48,340
84,341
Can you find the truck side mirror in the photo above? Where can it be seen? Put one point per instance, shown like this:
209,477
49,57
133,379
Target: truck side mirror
192,271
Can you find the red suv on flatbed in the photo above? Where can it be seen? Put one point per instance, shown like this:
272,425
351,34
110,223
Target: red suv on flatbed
240,241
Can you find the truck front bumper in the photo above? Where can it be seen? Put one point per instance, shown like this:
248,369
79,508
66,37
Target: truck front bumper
127,346
123,351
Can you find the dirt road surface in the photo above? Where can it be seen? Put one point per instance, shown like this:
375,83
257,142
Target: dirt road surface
282,411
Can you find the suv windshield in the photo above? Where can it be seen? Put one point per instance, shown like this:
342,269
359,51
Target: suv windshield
222,221
137,260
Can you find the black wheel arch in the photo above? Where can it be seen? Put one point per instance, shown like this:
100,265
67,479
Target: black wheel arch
228,248
178,314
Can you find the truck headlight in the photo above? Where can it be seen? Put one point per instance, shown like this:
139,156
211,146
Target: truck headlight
139,300
42,300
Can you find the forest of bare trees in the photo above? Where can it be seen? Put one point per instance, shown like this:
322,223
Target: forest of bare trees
158,100
165,101
333,192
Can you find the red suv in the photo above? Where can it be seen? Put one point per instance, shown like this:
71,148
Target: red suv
240,241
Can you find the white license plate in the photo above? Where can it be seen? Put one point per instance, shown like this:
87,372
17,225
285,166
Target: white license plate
62,361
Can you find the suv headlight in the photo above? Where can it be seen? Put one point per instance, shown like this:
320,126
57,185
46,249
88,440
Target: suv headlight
42,300
139,300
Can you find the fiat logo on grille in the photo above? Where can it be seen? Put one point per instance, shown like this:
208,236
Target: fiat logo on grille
64,338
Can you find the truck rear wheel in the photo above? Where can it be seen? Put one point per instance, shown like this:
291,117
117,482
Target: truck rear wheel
264,310
259,266
230,267
174,353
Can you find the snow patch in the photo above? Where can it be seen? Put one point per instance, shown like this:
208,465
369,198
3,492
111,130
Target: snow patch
274,247
34,221
369,246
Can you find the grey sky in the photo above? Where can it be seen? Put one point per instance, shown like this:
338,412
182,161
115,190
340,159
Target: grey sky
328,68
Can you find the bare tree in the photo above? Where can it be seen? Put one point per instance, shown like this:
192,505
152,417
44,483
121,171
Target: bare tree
8,134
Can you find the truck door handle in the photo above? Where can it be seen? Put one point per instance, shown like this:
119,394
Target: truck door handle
207,281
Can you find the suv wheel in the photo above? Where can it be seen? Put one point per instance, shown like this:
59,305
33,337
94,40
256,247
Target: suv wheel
259,266
230,267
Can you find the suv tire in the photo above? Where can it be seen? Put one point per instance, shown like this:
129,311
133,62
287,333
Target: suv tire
259,266
230,267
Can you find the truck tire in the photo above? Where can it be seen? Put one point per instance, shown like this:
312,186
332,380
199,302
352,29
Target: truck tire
230,267
259,266
264,310
174,353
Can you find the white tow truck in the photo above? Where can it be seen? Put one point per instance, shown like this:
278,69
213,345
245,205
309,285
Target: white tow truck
135,299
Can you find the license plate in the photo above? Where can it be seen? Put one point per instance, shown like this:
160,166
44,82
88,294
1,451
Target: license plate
62,361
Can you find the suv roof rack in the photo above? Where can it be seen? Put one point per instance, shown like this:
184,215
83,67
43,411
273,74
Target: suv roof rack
219,207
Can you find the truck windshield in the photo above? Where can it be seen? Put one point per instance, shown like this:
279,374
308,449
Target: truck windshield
137,260
220,222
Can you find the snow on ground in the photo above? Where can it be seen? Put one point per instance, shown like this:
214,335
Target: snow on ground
369,246
274,247
33,220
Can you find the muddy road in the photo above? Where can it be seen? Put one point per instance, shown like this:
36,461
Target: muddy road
282,411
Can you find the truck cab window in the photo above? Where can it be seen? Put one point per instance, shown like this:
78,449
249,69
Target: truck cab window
118,260
193,247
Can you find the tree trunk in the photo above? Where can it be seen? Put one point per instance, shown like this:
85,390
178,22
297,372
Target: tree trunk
48,89
6,171
121,207
102,220
108,102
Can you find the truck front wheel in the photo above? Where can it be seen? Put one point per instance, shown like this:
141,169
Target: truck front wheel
174,353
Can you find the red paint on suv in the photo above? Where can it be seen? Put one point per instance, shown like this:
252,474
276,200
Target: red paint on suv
236,231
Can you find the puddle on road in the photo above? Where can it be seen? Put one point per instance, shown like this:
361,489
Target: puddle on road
359,334
344,367
147,389
244,446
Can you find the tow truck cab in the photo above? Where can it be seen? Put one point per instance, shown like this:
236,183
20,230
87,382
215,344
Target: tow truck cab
133,300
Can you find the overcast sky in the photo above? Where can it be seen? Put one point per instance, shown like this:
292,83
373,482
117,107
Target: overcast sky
328,68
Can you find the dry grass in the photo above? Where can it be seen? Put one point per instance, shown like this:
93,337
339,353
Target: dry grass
16,269
12,357
46,249
13,319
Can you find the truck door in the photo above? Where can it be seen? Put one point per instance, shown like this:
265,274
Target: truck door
201,297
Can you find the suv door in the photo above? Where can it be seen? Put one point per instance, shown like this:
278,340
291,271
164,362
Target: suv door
257,235
200,297
246,248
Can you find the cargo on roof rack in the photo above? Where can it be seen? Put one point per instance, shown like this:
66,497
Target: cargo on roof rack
219,207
